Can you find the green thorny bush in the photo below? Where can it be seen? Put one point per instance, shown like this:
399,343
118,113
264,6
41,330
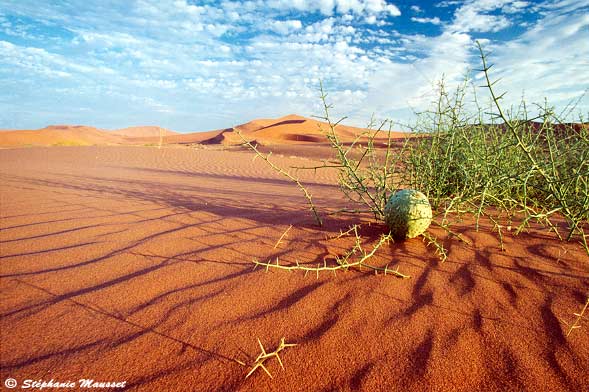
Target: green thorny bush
509,165
495,163
537,168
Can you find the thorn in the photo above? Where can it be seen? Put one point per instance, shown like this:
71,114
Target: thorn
262,347
251,371
279,361
266,370
263,356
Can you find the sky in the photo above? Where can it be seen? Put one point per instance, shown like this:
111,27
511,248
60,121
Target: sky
200,65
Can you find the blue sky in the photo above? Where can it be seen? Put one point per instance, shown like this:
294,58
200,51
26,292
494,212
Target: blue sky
202,65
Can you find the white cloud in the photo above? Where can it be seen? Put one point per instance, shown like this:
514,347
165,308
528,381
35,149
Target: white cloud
45,63
393,10
473,16
434,20
515,7
286,26
332,7
548,61
548,6
371,19
180,64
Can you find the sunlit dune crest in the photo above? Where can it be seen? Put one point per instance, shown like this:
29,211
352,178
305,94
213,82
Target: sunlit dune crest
290,129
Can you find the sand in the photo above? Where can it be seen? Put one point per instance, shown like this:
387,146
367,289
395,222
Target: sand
143,131
58,135
287,130
81,135
135,264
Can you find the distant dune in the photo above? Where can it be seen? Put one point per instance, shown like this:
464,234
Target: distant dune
298,129
209,137
143,131
60,135
291,129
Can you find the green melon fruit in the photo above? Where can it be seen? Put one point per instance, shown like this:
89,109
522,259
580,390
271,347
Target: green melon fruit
408,214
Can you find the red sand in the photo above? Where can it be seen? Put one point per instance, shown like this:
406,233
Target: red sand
143,131
135,264
69,135
80,135
291,129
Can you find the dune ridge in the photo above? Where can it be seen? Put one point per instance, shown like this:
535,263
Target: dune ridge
59,135
286,130
143,131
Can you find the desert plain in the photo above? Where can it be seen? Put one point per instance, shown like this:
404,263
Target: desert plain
127,259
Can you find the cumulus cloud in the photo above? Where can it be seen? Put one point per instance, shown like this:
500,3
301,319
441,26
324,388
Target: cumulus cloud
515,7
200,67
547,61
332,7
285,26
434,20
473,16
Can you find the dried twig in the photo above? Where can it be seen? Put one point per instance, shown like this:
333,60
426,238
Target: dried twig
282,237
343,262
440,250
266,158
263,356
580,316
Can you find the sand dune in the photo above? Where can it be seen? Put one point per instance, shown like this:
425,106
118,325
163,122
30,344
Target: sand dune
143,131
72,135
291,129
64,135
136,265
297,129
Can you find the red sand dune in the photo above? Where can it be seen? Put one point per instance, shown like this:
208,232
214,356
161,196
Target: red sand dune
59,135
209,137
71,135
143,131
290,129
135,264
297,129
287,130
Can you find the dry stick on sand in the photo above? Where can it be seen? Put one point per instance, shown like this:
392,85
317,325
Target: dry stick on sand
342,262
286,174
440,250
282,237
580,316
263,356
